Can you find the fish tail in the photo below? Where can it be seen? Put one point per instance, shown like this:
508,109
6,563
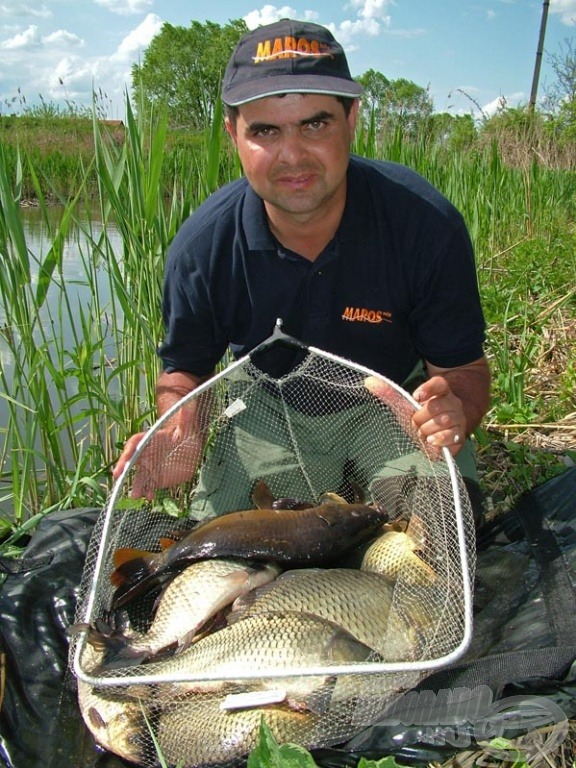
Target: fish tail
131,564
136,572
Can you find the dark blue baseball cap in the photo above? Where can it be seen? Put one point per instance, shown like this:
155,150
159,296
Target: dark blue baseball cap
287,57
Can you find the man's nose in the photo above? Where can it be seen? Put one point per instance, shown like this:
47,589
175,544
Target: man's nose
292,147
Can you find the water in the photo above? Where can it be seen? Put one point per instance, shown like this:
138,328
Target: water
58,322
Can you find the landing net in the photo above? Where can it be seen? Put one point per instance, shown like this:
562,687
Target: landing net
319,643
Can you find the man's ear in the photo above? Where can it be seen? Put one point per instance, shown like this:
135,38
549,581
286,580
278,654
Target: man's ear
230,128
353,116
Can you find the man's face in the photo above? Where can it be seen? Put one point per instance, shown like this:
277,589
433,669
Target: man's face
294,151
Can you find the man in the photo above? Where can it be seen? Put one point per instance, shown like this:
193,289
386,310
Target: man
360,258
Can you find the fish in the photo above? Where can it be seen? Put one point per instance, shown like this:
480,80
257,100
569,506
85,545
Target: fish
315,536
358,602
116,722
197,733
268,642
190,600
394,554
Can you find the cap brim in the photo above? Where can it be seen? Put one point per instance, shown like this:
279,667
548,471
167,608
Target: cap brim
260,88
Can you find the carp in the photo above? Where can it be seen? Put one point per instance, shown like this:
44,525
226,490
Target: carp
189,601
314,536
269,642
116,722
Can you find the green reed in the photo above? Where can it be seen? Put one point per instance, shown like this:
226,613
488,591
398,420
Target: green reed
73,399
72,402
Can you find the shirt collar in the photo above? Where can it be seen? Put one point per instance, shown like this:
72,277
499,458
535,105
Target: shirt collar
255,223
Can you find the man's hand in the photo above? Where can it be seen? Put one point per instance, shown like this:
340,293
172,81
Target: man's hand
440,421
452,404
167,460
174,452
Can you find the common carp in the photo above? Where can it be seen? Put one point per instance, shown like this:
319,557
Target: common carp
269,642
192,598
395,554
315,536
358,602
117,723
198,733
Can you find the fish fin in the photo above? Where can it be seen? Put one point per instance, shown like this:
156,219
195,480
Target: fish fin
127,557
244,604
359,495
113,647
318,702
145,656
134,572
166,543
213,624
241,606
262,495
129,590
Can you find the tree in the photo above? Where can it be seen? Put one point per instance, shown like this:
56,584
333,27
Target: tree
561,95
376,89
395,104
182,69
455,133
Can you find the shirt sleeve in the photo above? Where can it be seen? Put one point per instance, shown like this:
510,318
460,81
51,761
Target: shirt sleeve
447,321
191,342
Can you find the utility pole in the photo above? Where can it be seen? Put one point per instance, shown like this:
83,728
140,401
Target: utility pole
536,77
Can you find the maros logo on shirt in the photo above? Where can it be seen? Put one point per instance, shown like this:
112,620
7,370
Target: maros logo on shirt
289,48
362,315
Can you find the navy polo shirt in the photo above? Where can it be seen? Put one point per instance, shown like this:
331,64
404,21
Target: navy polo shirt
395,285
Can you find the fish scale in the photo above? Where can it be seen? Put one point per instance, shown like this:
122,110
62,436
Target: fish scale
359,602
265,642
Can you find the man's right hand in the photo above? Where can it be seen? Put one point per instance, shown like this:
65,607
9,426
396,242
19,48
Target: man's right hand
168,459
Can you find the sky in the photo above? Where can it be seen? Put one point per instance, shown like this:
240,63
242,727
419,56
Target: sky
469,54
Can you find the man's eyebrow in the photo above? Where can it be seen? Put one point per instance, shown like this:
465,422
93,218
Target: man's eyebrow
323,114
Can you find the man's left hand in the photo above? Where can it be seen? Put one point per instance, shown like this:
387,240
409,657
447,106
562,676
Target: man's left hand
440,421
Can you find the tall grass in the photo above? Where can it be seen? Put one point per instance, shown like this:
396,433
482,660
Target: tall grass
73,398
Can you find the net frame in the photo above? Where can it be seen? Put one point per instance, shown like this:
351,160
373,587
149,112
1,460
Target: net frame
88,605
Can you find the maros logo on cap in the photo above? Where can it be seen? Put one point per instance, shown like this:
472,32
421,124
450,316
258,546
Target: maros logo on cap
289,48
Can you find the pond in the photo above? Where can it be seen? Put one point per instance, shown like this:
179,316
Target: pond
70,308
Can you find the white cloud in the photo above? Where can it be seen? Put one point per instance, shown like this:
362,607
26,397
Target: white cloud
347,31
125,7
138,39
31,39
373,9
51,68
28,39
63,38
30,8
371,18
503,102
566,9
268,14
72,76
